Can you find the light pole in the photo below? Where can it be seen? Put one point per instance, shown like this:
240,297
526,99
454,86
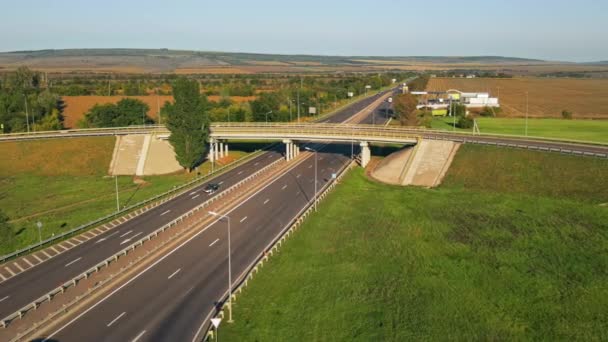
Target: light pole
315,151
39,225
526,130
116,186
229,263
267,116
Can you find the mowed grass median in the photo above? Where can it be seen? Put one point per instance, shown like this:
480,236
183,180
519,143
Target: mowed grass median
64,183
387,263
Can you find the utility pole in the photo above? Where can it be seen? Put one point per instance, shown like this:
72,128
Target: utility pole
158,107
27,118
289,99
298,105
116,186
109,90
526,130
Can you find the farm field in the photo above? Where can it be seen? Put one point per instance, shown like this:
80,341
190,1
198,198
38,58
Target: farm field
581,130
387,263
78,106
63,184
548,97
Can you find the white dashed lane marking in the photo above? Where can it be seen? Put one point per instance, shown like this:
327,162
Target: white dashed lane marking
243,219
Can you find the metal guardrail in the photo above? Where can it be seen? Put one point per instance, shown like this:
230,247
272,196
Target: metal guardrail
523,145
159,129
74,281
128,209
242,280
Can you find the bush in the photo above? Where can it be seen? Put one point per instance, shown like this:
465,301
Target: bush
567,114
464,122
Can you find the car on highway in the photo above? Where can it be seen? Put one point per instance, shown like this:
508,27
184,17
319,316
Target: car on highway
211,188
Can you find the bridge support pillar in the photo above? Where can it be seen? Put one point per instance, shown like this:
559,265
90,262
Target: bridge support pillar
216,153
295,150
211,154
288,149
221,150
365,153
226,150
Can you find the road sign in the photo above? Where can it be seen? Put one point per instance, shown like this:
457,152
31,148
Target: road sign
350,94
312,110
390,100
39,224
368,87
334,176
216,322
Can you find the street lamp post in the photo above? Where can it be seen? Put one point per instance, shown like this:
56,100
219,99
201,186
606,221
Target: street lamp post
39,225
116,187
229,263
315,151
267,116
526,130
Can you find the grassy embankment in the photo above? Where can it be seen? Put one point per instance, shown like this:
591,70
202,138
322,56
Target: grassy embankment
510,247
63,183
582,130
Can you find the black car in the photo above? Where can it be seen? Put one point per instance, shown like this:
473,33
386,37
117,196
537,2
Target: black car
211,188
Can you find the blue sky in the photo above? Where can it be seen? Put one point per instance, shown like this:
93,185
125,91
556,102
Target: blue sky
555,30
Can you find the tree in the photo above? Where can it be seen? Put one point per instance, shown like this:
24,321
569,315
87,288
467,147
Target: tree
188,121
126,112
567,114
405,109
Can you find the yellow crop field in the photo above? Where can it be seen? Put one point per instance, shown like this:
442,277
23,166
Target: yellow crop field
548,97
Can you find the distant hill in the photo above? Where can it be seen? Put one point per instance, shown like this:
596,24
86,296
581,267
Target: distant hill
184,61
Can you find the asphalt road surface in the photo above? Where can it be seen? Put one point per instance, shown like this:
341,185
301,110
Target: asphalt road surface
23,288
170,300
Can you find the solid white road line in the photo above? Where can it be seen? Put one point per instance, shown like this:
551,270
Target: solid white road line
3,299
266,201
284,187
73,261
195,196
138,336
127,233
174,273
166,212
213,243
243,219
116,319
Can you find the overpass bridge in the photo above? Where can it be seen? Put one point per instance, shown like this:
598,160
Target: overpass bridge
291,133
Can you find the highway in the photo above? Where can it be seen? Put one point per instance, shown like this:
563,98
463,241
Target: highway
168,301
24,287
172,298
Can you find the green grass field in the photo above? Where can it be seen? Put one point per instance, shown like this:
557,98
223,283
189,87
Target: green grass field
583,130
64,184
386,263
